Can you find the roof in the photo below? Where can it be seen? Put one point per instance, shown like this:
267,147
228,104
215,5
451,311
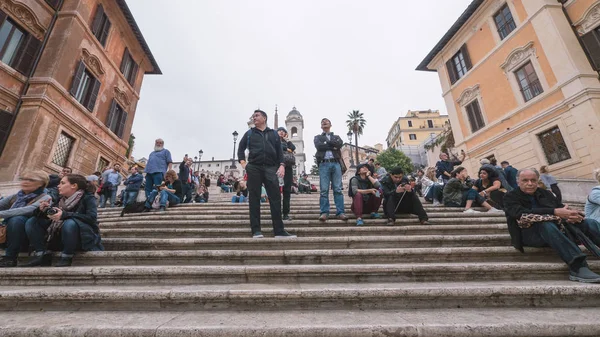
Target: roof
465,16
294,112
138,35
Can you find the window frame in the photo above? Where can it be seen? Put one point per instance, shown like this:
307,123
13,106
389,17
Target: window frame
88,91
9,37
101,25
531,84
412,136
116,119
514,61
430,124
464,59
55,148
474,124
410,125
550,132
506,23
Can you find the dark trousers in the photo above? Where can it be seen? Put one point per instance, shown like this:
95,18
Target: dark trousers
187,189
257,176
16,237
287,189
152,180
556,191
435,192
544,234
69,235
410,205
361,206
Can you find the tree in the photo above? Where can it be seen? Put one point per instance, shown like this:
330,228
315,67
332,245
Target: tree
131,144
356,123
314,170
391,158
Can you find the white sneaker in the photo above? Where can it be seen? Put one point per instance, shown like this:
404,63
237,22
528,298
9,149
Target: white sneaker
470,210
495,210
436,203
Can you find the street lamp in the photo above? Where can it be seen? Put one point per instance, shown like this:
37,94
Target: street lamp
235,135
350,149
197,163
199,158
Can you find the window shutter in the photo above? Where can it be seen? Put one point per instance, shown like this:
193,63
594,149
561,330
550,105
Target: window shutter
125,59
471,117
77,78
111,114
26,54
5,120
466,56
478,116
93,95
97,23
451,71
133,74
2,17
122,122
52,3
591,43
105,32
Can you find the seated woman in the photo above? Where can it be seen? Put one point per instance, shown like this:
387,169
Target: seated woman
592,205
489,187
432,190
224,184
201,194
171,190
16,209
459,192
69,226
241,192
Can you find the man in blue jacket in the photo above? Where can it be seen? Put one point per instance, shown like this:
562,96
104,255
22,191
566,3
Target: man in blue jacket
510,173
132,186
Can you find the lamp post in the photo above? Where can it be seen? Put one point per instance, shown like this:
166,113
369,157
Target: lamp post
197,163
350,149
199,158
235,135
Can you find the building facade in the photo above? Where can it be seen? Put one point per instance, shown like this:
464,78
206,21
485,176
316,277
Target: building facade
294,124
415,127
70,78
520,83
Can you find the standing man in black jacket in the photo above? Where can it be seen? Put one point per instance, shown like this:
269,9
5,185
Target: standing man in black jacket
186,176
265,164
331,168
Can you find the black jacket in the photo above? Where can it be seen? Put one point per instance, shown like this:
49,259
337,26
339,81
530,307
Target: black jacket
184,172
517,203
264,147
389,187
322,144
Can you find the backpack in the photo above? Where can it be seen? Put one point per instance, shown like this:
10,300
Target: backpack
350,194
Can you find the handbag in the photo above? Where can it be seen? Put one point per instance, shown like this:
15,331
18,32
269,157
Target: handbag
289,159
2,233
526,220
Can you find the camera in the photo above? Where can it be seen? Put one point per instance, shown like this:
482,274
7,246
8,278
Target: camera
51,211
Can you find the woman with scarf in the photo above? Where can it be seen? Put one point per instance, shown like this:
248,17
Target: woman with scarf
69,226
16,209
365,193
286,147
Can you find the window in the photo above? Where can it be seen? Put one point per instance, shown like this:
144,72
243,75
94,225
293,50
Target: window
129,68
217,165
208,165
116,120
459,64
474,115
17,47
554,146
528,82
430,123
294,132
64,145
102,164
412,136
504,22
591,41
5,120
101,25
85,87
410,124
52,3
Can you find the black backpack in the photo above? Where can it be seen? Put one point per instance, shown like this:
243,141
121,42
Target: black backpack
350,194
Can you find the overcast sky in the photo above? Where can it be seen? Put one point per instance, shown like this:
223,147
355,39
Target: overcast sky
221,59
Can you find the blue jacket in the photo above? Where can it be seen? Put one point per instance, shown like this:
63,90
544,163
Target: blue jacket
184,172
134,182
592,205
511,176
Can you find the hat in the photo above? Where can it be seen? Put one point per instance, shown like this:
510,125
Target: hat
484,161
281,128
305,175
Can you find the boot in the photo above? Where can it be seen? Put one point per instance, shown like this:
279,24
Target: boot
64,262
7,262
44,260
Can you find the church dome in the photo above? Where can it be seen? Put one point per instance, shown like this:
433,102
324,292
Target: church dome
294,113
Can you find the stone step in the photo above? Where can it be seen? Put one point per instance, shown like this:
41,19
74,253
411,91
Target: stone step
489,322
286,274
368,229
323,256
390,241
300,296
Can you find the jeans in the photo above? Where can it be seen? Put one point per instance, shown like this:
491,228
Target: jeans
257,176
236,199
331,174
188,188
129,197
361,206
164,197
287,189
410,205
36,229
435,192
544,234
153,179
113,198
16,237
226,188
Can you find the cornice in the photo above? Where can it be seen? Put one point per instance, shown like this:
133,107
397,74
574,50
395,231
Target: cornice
24,15
93,63
589,20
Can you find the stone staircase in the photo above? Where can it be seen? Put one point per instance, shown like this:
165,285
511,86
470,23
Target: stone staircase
195,271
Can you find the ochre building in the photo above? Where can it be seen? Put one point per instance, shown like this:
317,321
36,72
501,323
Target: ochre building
520,82
416,127
70,78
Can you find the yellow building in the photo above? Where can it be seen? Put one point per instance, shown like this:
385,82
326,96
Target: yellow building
520,83
415,127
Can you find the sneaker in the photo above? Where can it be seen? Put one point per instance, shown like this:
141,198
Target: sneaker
470,210
359,222
285,235
146,210
44,260
7,262
495,210
342,217
375,215
162,209
424,222
436,203
584,275
64,262
286,217
391,222
257,235
323,217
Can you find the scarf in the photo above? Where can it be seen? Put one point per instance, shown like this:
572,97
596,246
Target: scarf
65,204
24,199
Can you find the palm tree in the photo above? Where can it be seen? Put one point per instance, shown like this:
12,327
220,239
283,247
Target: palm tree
356,123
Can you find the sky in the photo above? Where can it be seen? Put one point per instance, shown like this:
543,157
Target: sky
222,59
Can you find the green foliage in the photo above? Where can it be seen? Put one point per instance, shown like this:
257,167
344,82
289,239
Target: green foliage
391,158
131,144
314,170
356,122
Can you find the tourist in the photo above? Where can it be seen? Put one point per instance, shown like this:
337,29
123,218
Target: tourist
432,190
132,186
380,171
445,166
399,198
535,217
205,180
264,165
241,192
17,208
490,188
510,173
495,172
223,183
111,179
287,147
69,226
550,182
459,192
158,163
186,176
363,188
329,159
201,194
592,204
304,184
52,187
295,185
419,182
171,191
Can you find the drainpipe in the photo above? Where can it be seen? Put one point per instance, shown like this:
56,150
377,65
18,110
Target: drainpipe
579,39
36,61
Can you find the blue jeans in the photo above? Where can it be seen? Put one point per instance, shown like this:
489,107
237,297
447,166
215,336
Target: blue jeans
36,229
331,174
16,237
129,197
236,199
226,188
164,197
113,198
153,179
